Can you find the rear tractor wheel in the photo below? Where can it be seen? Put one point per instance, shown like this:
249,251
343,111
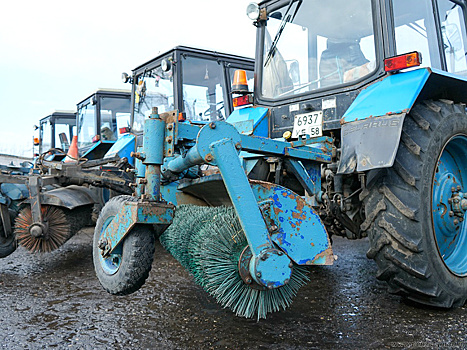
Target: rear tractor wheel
416,210
7,244
128,266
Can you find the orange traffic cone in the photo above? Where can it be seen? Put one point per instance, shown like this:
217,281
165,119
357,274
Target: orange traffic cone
72,155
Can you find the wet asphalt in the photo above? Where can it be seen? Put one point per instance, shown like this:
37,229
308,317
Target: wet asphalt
55,301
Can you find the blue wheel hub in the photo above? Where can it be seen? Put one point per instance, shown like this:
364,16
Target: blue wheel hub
449,205
110,264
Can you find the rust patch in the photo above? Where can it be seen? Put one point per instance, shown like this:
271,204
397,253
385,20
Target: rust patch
327,254
277,210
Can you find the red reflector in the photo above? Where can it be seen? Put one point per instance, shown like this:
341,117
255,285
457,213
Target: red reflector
242,100
408,60
124,130
181,117
95,138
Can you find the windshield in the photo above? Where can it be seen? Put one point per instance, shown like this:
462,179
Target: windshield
154,88
115,114
316,44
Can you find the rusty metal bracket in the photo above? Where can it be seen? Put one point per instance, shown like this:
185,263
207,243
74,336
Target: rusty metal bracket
132,213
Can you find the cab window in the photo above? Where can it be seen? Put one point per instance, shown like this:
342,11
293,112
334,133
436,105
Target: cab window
451,17
203,98
415,30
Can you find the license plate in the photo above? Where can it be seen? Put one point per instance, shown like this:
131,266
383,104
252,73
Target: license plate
308,124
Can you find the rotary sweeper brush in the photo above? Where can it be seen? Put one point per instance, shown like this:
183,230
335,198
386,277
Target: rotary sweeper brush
246,242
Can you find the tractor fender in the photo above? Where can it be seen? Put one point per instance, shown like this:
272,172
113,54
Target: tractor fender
123,147
372,126
69,197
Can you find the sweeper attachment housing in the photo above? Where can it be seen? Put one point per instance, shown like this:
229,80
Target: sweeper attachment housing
247,243
42,210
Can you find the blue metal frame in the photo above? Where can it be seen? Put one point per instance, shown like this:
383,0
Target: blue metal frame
291,226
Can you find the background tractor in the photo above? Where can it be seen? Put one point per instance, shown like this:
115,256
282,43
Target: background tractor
55,131
52,201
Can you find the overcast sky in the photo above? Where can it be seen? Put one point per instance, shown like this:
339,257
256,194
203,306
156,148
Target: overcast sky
55,53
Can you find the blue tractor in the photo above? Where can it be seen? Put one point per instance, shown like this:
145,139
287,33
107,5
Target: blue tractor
44,205
386,80
55,132
358,129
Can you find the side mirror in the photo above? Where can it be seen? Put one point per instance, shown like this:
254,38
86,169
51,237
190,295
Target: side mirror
126,78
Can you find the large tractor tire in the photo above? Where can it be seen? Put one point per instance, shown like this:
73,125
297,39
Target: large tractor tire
7,244
127,268
418,236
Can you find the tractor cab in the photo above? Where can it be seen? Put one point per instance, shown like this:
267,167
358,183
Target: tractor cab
315,57
55,132
102,119
195,82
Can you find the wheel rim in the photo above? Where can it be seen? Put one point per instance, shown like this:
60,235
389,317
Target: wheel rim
111,264
449,204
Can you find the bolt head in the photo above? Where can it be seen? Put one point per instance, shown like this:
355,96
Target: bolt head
449,200
248,280
451,213
36,231
453,189
212,125
456,222
459,187
258,274
102,244
291,264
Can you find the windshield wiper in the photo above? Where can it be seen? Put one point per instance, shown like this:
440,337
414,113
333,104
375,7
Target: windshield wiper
287,18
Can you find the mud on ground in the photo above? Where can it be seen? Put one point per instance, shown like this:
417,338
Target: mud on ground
55,301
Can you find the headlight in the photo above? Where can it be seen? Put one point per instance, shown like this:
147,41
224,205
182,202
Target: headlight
252,11
165,65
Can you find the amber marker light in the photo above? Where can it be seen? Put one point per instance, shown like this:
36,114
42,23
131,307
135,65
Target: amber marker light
408,60
240,84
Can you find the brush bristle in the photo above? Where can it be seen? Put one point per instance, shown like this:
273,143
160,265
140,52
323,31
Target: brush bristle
208,242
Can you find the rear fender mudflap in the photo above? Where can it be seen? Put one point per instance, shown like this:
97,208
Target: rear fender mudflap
370,143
